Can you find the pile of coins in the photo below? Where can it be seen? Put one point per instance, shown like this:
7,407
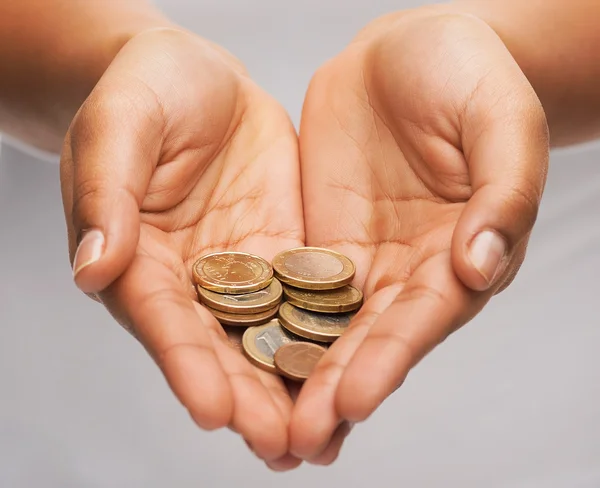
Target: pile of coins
292,309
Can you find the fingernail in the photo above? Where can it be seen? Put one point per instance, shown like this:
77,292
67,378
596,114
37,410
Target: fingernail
89,251
486,253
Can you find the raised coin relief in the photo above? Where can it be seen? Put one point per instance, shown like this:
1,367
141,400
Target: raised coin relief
229,269
270,340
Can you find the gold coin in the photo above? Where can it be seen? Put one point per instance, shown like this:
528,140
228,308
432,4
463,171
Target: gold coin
316,326
313,268
232,272
345,299
261,343
254,302
244,319
297,360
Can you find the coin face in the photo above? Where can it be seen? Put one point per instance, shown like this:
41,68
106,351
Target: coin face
261,343
296,360
232,272
253,302
345,299
316,326
313,268
244,319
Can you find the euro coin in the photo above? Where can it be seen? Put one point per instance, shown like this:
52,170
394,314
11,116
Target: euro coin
254,302
297,360
244,319
261,343
316,326
345,299
232,272
313,268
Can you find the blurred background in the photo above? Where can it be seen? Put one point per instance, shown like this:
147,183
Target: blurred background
511,400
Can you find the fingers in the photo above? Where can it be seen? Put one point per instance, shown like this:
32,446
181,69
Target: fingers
262,404
505,141
332,451
151,302
257,416
315,417
431,306
285,463
212,380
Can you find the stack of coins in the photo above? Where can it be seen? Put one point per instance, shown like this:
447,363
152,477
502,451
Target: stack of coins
245,290
238,288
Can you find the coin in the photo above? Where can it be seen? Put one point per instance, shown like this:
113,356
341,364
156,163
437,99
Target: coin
296,360
261,343
244,319
232,272
254,302
345,299
316,326
313,268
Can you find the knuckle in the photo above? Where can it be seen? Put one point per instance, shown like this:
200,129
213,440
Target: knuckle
329,371
99,109
523,200
86,197
426,294
402,344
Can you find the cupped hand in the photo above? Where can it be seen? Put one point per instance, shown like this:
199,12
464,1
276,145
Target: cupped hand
177,153
424,152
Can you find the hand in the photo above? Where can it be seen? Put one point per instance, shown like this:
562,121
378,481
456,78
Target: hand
175,154
424,152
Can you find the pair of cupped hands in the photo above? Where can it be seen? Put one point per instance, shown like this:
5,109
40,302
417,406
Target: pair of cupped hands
422,155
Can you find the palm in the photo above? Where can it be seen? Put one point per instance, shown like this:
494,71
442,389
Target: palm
384,145
247,199
388,188
225,176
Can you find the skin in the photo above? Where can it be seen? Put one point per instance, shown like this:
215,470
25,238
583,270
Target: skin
166,183
50,74
428,129
560,58
401,169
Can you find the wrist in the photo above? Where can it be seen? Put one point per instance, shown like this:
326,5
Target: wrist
55,69
85,56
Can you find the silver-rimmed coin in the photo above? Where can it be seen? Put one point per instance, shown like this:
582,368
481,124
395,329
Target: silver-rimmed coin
261,343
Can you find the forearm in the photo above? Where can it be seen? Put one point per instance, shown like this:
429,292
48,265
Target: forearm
557,45
52,53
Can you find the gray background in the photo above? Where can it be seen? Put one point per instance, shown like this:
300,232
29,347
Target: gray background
512,400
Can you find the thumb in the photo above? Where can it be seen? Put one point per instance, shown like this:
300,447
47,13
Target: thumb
506,149
109,156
